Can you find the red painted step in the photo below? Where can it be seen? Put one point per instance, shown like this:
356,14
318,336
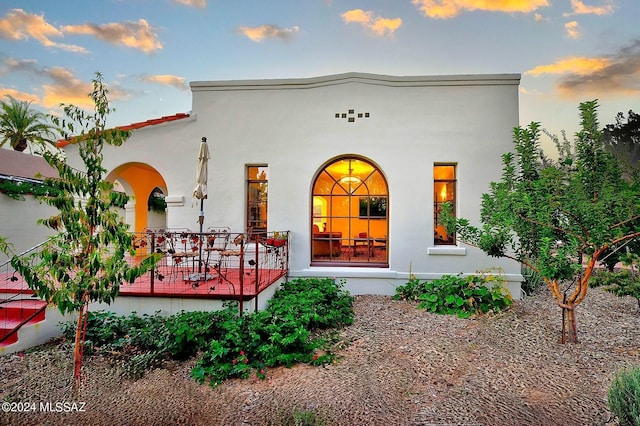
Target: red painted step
15,313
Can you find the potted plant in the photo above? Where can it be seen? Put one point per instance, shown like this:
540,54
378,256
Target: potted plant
279,239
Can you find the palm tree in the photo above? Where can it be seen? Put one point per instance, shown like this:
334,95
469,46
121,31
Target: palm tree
20,125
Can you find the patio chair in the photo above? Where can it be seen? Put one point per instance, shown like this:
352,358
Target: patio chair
183,250
225,263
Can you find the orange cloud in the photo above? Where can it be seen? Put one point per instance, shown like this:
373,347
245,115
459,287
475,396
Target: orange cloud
377,25
606,76
138,35
262,32
20,25
171,80
17,95
572,30
575,65
444,9
579,8
59,85
193,3
66,89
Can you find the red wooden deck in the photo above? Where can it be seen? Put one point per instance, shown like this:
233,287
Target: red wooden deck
163,282
229,284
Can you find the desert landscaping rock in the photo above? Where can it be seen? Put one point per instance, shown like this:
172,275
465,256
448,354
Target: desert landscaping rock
397,366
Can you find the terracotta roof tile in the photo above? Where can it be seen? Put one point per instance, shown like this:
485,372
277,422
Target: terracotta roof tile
152,122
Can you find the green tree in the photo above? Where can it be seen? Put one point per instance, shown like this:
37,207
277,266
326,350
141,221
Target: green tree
85,261
20,126
557,217
622,139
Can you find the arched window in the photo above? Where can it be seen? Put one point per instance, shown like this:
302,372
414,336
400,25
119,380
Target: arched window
350,214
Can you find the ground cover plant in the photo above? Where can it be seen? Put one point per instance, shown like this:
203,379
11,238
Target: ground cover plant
295,328
458,295
624,396
285,333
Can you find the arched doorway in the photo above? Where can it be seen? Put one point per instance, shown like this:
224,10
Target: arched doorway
139,180
350,214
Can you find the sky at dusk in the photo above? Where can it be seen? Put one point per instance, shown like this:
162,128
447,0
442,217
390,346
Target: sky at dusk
567,51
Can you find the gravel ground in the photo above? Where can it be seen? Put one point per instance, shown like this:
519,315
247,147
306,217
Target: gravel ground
398,366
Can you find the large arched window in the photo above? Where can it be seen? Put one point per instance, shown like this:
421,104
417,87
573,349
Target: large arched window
350,214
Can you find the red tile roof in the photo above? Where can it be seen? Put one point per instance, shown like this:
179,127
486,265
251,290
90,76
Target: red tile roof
154,121
166,119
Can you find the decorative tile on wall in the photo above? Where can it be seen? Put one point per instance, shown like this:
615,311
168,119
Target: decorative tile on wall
351,115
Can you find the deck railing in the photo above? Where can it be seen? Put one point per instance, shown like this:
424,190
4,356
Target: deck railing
218,263
15,294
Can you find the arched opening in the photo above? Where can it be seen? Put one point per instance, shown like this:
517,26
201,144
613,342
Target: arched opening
156,209
350,214
139,180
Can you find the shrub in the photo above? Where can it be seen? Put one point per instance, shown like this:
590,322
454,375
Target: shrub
532,280
462,296
624,396
231,345
622,283
279,335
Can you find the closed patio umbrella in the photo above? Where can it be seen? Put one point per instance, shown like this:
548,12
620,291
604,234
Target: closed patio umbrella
200,193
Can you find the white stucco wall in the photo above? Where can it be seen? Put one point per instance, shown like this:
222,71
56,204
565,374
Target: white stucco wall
19,218
290,125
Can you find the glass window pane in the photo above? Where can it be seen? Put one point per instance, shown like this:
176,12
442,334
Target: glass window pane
257,198
324,184
444,191
350,201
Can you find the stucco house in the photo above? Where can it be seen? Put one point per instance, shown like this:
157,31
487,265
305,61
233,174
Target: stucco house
355,166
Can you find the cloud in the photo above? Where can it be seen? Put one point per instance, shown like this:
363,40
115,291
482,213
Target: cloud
192,3
59,84
170,80
572,30
20,96
262,32
20,25
377,25
66,88
579,8
138,35
539,18
574,65
444,9
614,74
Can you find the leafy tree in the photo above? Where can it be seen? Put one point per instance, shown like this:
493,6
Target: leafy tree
552,216
85,261
623,139
20,126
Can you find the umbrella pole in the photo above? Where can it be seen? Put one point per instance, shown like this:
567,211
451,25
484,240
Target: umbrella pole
201,220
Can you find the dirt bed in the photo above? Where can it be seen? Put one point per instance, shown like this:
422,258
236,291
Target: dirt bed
398,366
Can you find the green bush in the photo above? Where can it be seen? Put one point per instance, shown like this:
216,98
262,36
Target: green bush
279,335
462,296
624,396
532,280
231,345
622,283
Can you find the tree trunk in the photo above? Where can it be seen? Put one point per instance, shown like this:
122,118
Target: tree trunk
20,146
81,331
569,325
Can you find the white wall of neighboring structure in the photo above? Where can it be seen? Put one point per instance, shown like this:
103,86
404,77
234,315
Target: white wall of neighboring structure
19,218
291,126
